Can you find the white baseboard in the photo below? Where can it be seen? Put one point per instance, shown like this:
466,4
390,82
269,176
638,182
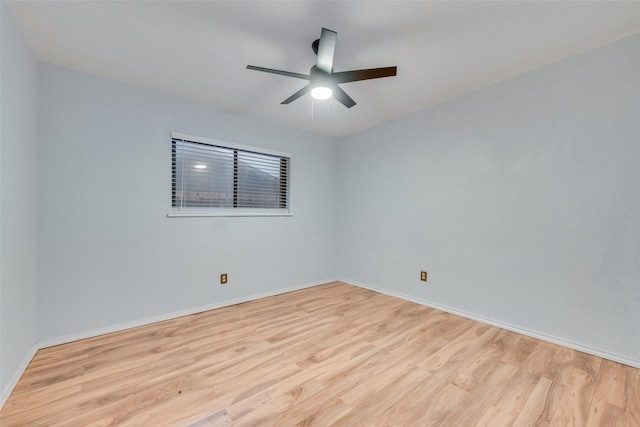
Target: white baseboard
154,319
16,377
544,337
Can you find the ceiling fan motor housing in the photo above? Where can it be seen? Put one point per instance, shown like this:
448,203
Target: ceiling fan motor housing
319,78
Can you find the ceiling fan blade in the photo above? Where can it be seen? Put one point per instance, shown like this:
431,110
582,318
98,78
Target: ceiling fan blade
370,73
297,95
282,73
342,97
326,50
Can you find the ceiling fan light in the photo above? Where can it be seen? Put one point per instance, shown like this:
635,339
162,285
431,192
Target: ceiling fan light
321,92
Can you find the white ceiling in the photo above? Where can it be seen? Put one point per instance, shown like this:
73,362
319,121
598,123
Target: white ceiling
199,50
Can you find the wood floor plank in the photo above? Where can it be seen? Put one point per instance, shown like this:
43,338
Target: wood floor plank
541,404
576,400
329,355
494,417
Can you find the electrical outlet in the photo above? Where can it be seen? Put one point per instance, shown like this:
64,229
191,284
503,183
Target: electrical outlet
223,279
423,276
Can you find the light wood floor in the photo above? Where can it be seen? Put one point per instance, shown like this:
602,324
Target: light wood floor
329,355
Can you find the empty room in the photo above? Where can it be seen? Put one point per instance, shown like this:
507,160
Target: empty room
350,213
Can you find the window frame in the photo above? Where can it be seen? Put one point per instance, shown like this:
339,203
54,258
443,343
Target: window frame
235,211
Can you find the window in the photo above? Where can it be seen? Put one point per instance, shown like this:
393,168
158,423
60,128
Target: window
211,177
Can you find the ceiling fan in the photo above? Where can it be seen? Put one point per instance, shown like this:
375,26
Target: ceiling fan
323,82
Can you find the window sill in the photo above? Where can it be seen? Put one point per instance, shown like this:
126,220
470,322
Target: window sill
230,213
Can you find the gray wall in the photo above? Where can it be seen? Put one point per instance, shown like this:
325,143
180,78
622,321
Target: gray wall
522,201
108,252
18,202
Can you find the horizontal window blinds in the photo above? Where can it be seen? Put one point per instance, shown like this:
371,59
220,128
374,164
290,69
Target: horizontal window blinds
217,176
